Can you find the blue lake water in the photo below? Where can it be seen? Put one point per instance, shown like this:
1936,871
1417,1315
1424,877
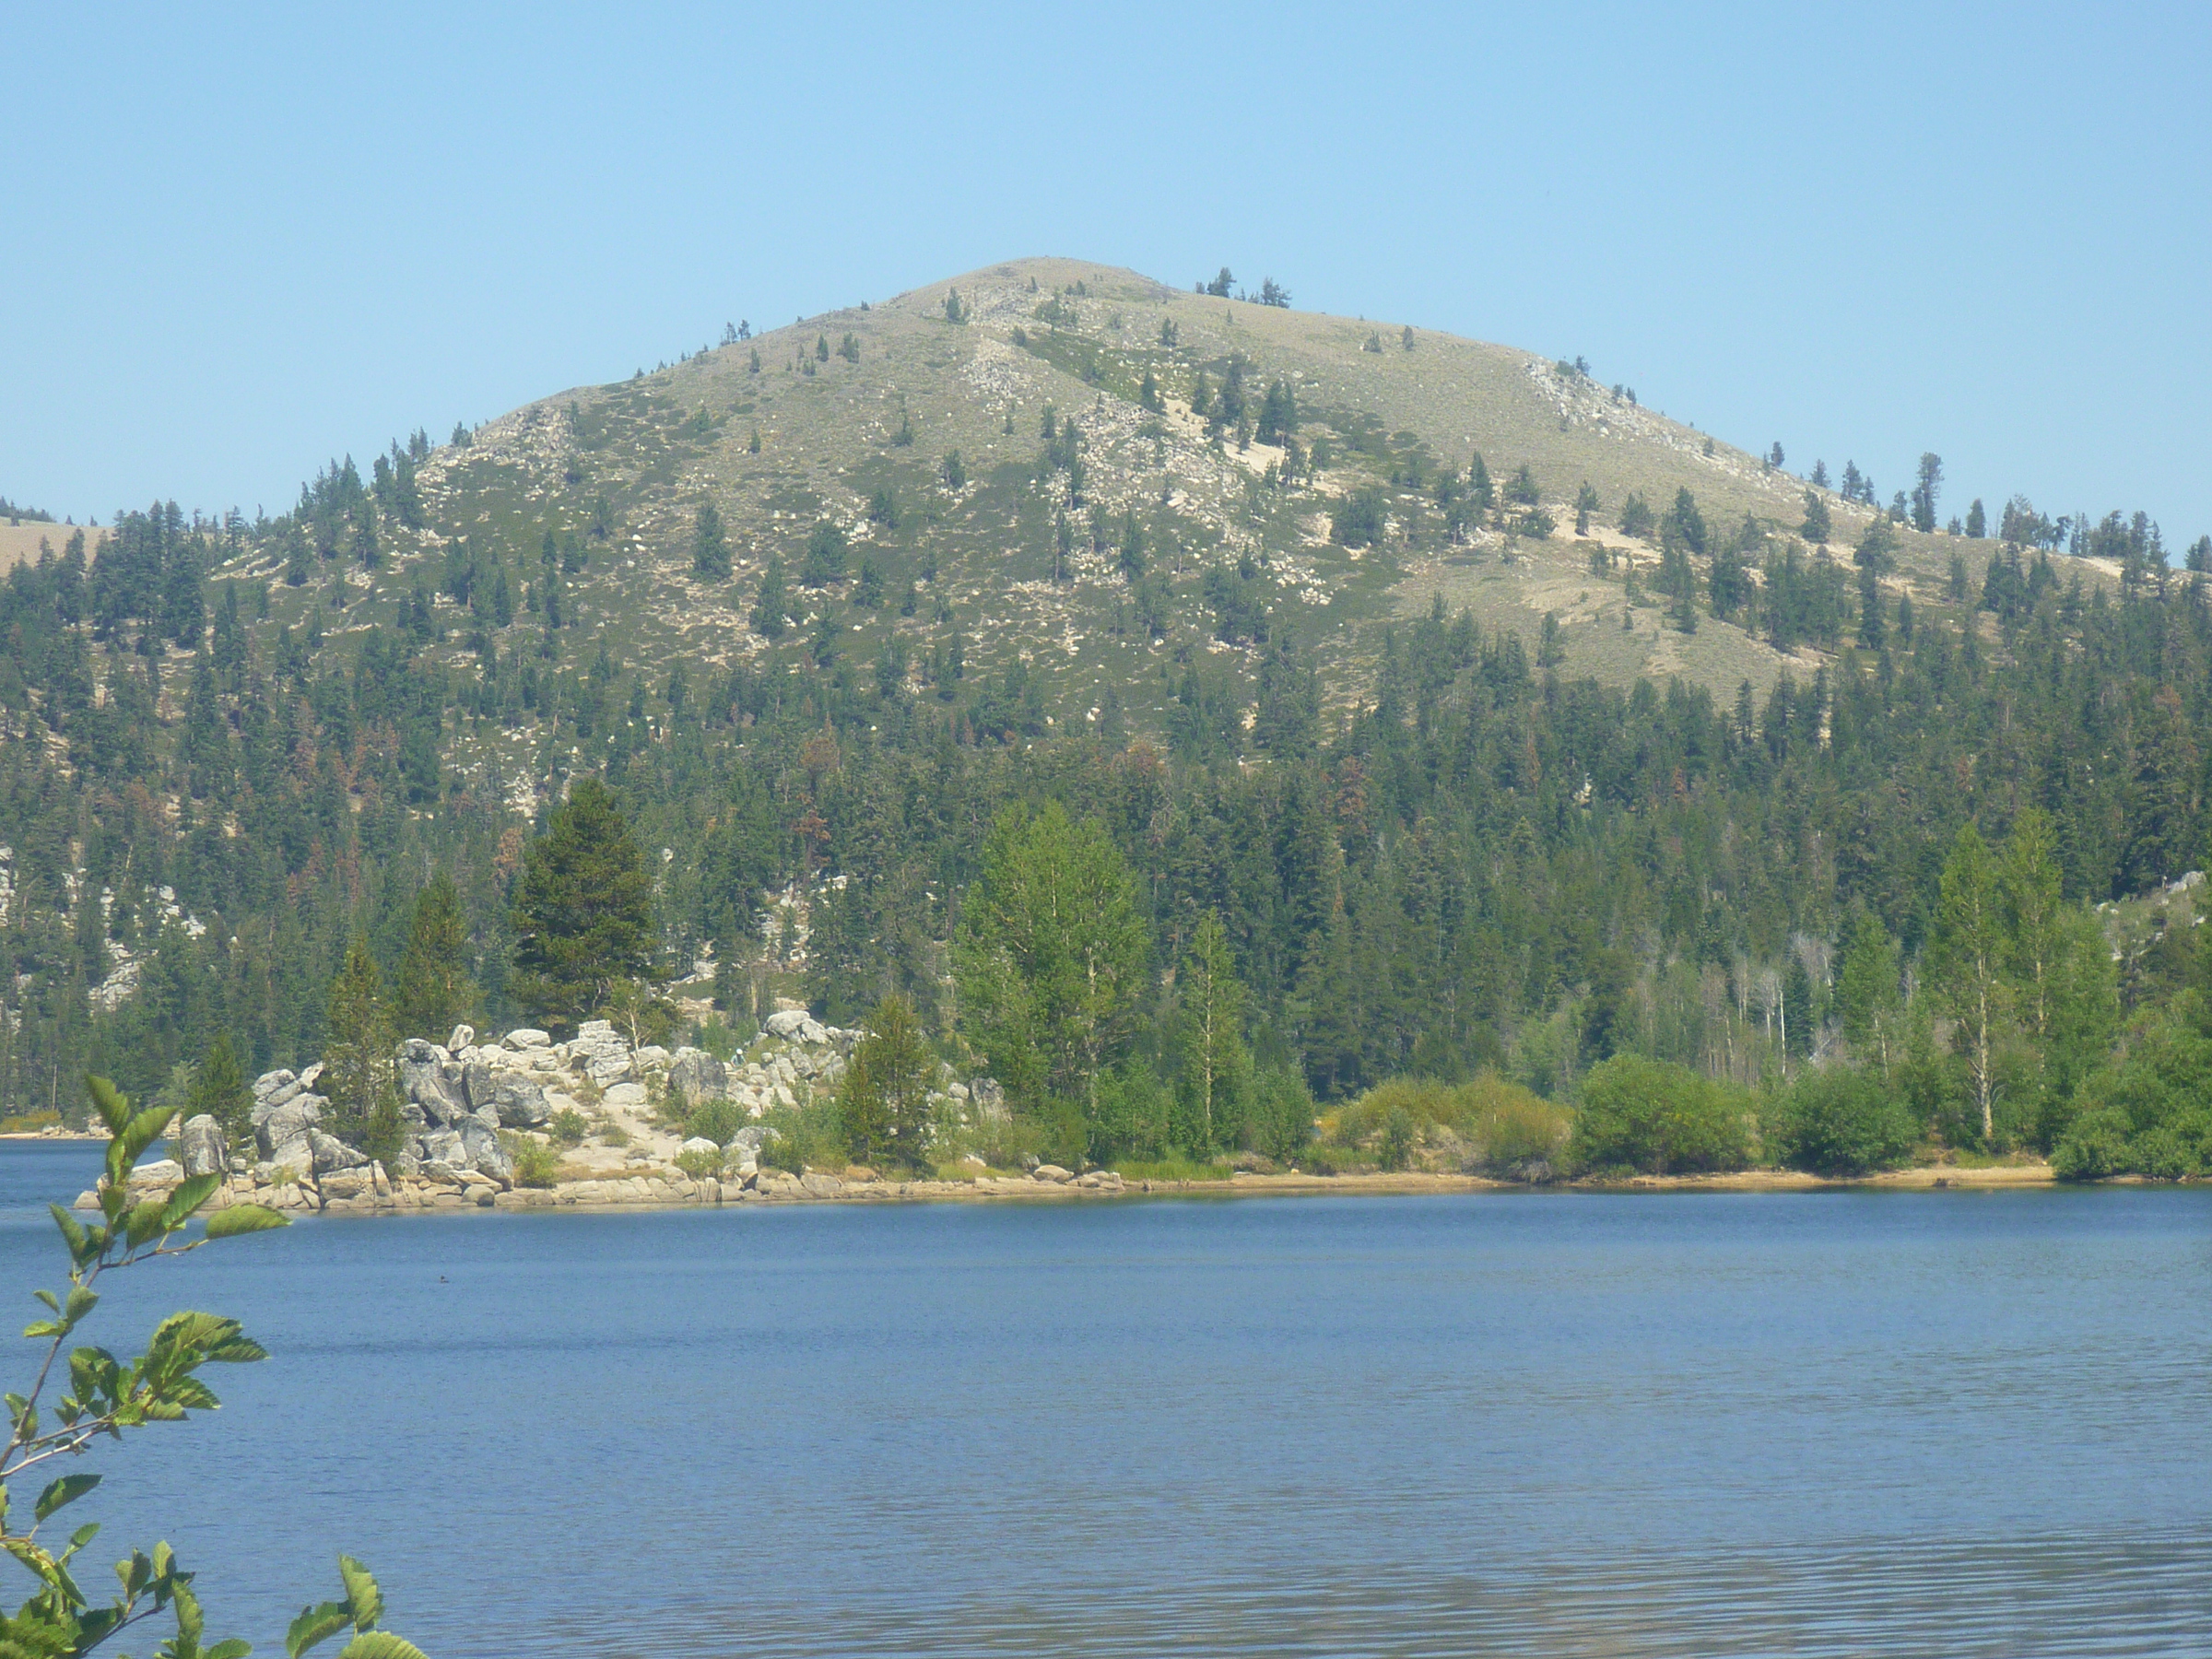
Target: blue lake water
1805,1424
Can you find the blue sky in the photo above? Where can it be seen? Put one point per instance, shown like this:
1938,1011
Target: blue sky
241,243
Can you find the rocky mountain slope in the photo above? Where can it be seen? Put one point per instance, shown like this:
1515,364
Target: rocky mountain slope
854,417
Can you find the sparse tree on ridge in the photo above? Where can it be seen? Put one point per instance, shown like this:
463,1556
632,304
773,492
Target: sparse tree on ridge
710,547
1817,525
772,606
1924,492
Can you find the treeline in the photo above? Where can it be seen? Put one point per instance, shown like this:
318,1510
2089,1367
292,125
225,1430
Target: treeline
1485,868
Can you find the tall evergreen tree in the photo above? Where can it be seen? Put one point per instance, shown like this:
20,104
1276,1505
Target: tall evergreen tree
883,1098
582,910
360,1077
436,990
1926,488
218,1090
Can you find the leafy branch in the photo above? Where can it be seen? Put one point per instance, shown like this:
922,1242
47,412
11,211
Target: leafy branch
105,1396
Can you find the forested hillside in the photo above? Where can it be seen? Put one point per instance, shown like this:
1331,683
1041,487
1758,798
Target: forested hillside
1497,724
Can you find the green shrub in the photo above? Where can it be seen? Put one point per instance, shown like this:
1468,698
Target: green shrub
536,1163
1503,1126
2148,1114
1006,1143
569,1127
2093,1147
716,1121
1135,1113
614,1135
1396,1149
1838,1121
1659,1118
700,1165
1281,1121
724,1037
810,1136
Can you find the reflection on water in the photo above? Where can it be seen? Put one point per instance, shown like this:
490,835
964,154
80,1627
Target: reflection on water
1760,1424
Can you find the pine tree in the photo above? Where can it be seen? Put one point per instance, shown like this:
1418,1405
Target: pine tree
582,910
1817,525
1867,992
1796,1007
358,1076
883,1099
436,992
1924,491
709,547
1479,489
2163,837
2034,914
772,606
218,1090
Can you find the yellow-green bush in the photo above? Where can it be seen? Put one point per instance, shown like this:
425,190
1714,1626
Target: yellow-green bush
1496,1123
536,1163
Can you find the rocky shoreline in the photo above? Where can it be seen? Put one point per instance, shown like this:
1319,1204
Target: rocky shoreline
343,1194
470,1109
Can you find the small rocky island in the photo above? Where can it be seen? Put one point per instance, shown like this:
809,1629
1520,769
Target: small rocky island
470,1106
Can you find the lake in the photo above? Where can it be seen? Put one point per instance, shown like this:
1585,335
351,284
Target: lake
1842,1423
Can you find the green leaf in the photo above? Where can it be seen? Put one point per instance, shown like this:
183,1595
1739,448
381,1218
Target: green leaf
82,1301
232,1648
243,1219
73,1232
68,1490
191,1623
362,1593
188,1197
83,1536
141,1223
111,1103
315,1624
37,1561
381,1645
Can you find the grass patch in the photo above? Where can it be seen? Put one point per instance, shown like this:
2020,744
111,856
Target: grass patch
1175,1168
28,1123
